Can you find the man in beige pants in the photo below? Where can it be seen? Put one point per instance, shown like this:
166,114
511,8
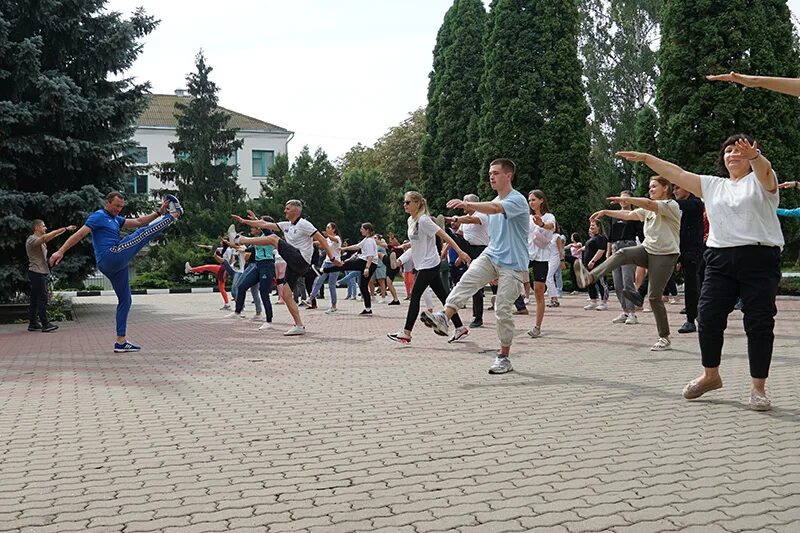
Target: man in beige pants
505,259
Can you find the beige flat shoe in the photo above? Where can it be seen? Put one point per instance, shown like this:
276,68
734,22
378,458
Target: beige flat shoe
695,389
759,402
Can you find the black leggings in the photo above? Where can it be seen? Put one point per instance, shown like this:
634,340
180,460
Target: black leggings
428,277
363,282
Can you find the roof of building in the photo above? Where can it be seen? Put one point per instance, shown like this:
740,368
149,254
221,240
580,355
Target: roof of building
160,111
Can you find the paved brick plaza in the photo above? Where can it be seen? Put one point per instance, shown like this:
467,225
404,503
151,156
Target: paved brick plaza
215,426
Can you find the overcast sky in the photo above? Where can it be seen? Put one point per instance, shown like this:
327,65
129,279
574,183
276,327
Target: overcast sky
336,72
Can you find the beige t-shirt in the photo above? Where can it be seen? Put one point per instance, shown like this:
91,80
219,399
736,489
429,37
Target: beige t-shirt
37,256
662,229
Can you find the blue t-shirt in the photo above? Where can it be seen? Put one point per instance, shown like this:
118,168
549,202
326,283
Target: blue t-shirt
105,232
265,252
508,233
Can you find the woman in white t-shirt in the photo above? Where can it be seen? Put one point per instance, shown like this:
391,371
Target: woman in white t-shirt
422,233
659,252
335,244
542,225
742,259
365,262
554,267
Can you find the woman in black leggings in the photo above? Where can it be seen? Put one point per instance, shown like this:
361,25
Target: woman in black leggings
422,233
366,262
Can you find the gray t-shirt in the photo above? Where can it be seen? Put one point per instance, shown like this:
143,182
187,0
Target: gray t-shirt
37,256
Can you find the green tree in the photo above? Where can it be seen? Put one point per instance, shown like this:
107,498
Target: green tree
202,171
448,162
363,196
534,109
65,124
645,131
618,41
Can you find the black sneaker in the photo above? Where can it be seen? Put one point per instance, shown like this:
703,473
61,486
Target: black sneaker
476,323
35,326
47,328
687,327
394,302
683,311
634,296
365,312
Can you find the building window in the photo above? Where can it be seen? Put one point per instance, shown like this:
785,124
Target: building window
139,154
136,184
231,160
262,162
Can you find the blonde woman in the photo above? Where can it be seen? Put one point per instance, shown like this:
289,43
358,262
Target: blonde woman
659,251
422,233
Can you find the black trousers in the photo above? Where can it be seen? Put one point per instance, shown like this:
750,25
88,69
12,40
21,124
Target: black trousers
428,277
690,266
354,263
749,272
38,305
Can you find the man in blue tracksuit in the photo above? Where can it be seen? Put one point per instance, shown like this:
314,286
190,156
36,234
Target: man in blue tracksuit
113,253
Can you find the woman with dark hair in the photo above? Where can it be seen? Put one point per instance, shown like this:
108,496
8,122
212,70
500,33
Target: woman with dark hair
335,242
742,258
575,245
593,254
366,262
659,251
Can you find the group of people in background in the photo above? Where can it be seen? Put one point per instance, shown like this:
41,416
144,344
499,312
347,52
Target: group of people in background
721,233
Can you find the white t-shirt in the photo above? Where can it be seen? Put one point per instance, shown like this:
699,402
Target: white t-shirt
298,234
554,245
336,246
422,235
539,238
740,213
368,249
477,234
662,229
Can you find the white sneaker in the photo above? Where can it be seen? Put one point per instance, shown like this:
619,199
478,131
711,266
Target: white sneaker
265,326
226,307
527,301
331,311
501,365
535,332
601,307
295,330
591,306
661,345
582,275
621,319
232,234
235,315
632,319
187,268
436,321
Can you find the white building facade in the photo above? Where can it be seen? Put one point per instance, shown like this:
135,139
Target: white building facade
156,128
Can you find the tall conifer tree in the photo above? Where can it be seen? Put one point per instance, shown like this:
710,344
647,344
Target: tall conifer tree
66,120
448,162
534,108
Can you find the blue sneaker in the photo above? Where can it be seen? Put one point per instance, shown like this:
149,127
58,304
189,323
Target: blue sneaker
174,204
126,347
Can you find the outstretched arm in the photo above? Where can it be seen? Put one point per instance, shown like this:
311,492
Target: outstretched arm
144,220
487,208
323,243
621,214
790,86
263,224
47,237
74,239
670,171
464,256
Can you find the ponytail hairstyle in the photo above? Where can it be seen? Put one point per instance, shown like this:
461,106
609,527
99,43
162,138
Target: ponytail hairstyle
538,193
423,203
335,229
369,227
664,183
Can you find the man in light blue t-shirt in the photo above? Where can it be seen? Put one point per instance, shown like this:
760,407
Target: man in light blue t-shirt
505,259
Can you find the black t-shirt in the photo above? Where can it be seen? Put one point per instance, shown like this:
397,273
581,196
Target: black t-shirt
626,230
691,225
598,242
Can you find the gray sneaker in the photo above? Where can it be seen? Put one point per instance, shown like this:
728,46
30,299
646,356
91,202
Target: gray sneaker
535,332
295,330
459,334
436,321
501,365
582,275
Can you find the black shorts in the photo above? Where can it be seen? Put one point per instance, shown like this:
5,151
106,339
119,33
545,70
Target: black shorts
539,269
296,266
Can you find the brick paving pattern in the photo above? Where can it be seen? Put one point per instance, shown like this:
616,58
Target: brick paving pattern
216,426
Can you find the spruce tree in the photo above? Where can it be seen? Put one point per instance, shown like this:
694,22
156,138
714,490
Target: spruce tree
645,131
750,36
534,109
448,162
66,123
202,172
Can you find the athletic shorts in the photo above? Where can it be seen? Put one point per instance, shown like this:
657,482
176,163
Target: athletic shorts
296,265
539,269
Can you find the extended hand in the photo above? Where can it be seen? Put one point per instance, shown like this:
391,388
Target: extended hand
733,77
237,218
748,151
464,256
788,185
71,228
251,215
456,204
164,207
598,215
56,258
618,199
632,156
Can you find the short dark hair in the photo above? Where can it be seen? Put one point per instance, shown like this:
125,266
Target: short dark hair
36,222
729,141
114,194
507,165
